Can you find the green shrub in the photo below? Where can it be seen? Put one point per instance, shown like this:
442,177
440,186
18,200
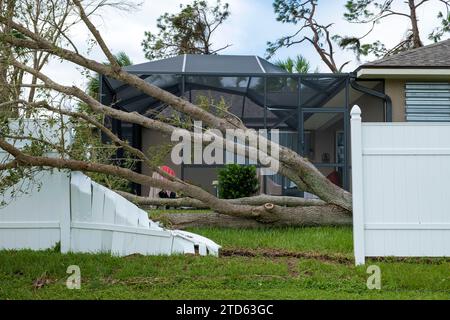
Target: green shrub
237,181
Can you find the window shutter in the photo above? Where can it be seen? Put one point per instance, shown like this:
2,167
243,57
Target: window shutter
427,101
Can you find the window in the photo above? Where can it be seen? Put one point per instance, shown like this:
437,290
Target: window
427,101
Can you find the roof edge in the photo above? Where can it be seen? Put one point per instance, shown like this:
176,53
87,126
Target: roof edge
405,71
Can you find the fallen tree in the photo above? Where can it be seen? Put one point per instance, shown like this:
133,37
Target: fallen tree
279,209
253,201
283,218
333,208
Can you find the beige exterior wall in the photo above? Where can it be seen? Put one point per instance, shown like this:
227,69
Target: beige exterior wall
202,177
395,89
372,108
325,143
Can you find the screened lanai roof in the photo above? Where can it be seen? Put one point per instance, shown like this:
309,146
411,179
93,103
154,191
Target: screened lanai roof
207,64
260,84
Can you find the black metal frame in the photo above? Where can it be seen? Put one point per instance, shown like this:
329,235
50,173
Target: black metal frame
298,111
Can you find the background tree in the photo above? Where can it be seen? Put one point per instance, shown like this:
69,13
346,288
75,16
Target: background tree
303,13
189,31
52,19
297,65
9,76
93,85
373,12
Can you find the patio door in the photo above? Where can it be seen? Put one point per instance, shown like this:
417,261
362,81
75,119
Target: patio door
324,141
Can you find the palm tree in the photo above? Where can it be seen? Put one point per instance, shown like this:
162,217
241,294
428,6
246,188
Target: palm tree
297,65
93,85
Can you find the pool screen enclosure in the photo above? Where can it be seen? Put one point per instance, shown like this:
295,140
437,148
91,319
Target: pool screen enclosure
306,108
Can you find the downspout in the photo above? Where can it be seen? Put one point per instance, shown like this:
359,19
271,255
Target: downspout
374,93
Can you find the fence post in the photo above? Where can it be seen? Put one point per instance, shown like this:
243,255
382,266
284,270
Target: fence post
65,218
357,186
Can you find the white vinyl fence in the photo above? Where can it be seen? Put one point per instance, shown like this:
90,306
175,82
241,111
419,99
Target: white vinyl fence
82,216
401,189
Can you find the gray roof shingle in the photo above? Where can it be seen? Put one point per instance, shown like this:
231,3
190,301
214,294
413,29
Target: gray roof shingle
436,55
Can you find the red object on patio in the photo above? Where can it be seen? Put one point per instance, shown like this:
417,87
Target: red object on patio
334,177
168,170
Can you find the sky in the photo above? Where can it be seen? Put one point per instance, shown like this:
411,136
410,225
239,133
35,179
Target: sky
252,23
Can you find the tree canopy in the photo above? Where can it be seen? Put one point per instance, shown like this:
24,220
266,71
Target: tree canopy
303,14
297,65
93,84
374,12
189,31
319,33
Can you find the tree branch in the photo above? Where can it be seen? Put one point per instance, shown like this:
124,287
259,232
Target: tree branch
253,201
112,60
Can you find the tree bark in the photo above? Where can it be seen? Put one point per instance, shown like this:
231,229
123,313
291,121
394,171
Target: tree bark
253,201
6,87
281,217
184,221
417,42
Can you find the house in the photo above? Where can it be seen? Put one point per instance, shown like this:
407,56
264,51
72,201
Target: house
312,111
417,81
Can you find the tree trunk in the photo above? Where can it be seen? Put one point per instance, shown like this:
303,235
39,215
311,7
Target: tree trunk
281,217
253,201
269,210
183,221
5,52
417,42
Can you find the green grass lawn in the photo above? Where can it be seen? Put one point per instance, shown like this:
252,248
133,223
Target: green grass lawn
309,263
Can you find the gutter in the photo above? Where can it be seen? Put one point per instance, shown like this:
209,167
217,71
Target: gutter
385,97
